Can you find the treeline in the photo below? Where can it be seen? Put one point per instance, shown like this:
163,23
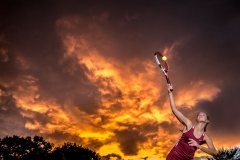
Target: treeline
36,148
227,154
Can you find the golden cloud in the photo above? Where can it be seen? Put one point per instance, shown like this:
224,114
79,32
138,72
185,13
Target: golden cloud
197,91
132,103
134,92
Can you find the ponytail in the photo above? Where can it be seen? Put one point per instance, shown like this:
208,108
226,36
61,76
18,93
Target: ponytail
205,128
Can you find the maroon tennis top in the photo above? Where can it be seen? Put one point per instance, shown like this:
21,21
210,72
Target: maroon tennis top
182,150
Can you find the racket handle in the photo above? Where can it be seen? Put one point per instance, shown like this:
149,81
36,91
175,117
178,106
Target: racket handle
168,82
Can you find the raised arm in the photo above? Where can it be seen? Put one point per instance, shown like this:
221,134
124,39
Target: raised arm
185,121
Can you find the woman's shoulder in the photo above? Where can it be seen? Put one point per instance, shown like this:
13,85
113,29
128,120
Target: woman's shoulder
206,137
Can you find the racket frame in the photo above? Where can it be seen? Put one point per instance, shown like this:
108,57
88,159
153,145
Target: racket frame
165,72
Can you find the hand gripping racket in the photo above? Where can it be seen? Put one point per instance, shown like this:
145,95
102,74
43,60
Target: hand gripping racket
162,63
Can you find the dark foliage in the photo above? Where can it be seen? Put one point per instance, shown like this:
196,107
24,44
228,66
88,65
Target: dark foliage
16,147
36,148
72,151
227,154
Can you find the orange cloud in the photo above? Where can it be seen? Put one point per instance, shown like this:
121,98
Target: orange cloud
132,107
134,92
128,95
197,91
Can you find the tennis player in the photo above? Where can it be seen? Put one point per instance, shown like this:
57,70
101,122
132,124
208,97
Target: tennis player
193,135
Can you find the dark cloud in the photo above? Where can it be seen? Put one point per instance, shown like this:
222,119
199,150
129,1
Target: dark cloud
68,82
60,138
12,122
170,128
224,112
109,156
129,140
35,38
132,138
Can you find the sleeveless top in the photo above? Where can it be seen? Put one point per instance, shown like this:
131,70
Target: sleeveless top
182,150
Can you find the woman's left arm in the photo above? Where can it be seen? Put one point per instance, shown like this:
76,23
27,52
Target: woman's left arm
210,150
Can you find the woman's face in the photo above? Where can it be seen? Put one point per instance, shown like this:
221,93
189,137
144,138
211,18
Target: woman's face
202,117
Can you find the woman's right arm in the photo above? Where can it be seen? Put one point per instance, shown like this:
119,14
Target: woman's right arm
185,121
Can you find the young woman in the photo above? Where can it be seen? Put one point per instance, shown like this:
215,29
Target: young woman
193,135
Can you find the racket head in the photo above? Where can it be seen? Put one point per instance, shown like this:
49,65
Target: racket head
162,62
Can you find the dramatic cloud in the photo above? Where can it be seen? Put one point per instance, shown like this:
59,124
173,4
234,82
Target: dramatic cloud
85,72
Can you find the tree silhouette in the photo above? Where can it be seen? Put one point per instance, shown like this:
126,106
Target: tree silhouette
72,151
227,154
57,154
36,148
16,147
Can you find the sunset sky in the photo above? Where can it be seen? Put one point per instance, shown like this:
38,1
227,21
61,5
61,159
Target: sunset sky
84,72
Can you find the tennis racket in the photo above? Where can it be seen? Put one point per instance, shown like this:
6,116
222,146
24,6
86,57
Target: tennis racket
162,63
